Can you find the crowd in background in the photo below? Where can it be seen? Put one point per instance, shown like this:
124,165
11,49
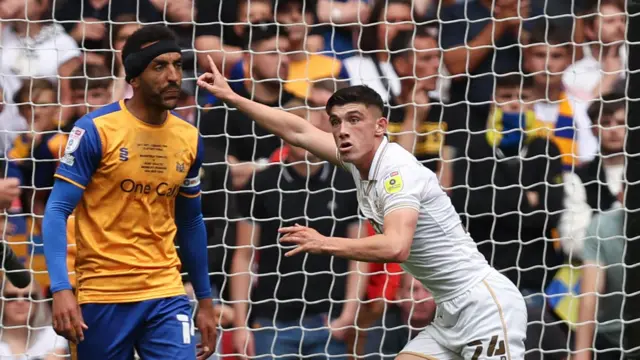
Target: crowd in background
518,106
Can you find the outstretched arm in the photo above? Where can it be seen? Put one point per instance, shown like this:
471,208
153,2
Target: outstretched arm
293,129
393,245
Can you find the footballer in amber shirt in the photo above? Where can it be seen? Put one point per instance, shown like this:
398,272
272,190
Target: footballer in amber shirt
125,227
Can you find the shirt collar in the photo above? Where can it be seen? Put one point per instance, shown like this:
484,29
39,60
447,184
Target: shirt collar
373,170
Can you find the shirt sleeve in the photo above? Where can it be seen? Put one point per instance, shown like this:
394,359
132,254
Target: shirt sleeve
191,186
400,188
82,154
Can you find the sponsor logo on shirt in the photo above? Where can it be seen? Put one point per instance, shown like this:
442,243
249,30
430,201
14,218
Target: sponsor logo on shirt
393,182
68,159
74,140
124,154
163,189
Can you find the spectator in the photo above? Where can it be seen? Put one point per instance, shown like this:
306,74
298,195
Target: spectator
598,332
34,155
480,43
246,144
605,55
291,318
413,310
26,323
89,21
305,67
216,35
418,122
373,67
32,48
514,191
9,192
125,25
546,57
343,18
91,87
593,188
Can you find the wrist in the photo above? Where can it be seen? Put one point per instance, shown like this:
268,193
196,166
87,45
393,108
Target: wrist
205,303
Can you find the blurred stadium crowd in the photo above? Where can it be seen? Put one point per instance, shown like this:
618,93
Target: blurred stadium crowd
518,106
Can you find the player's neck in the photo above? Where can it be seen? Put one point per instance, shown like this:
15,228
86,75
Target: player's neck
145,112
365,163
264,92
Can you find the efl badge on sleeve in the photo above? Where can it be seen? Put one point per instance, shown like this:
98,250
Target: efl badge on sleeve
393,183
74,140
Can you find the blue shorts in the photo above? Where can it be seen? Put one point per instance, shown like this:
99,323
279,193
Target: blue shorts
156,329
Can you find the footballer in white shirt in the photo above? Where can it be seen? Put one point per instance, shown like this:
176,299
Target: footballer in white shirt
480,313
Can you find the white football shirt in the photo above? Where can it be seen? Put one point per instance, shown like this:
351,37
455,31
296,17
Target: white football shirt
443,257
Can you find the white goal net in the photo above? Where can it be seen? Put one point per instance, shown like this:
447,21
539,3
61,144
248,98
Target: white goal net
518,106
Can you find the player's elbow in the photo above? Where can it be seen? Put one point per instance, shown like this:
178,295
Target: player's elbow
399,252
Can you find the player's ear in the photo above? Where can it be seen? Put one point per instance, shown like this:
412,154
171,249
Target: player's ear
381,126
135,82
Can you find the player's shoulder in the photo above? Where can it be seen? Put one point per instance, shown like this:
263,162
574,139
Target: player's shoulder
107,110
396,158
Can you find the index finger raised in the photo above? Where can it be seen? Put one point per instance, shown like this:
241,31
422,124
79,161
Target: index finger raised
212,65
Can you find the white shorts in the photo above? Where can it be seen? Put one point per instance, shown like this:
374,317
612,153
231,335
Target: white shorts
487,322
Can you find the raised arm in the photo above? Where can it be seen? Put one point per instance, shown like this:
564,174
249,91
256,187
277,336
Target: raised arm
291,128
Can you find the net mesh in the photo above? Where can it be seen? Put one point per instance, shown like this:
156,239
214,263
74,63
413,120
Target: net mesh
518,106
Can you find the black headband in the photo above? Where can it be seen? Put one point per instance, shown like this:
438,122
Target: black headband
135,63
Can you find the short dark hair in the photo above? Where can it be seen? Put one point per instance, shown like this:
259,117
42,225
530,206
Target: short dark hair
358,94
514,80
403,43
256,33
550,33
608,105
145,35
89,77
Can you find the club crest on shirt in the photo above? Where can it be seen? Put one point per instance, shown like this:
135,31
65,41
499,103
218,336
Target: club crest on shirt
393,182
74,140
180,167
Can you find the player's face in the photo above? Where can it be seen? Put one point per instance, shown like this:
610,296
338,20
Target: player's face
611,132
547,63
161,80
355,128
